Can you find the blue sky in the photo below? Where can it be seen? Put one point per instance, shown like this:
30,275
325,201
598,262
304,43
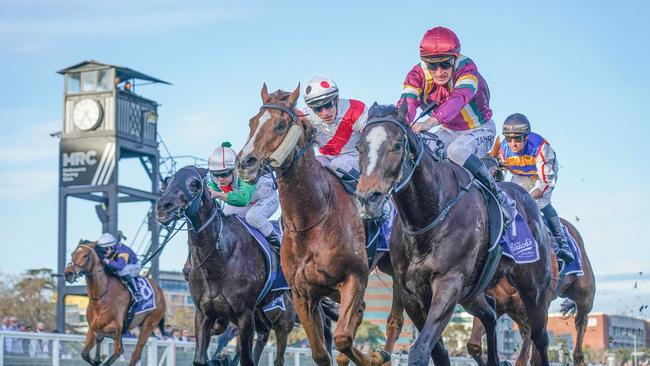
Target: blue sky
576,69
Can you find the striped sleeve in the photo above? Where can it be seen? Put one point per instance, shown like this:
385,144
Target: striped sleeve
464,90
546,164
412,90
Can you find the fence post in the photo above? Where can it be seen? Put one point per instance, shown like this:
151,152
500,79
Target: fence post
56,352
171,356
296,359
2,349
152,352
269,356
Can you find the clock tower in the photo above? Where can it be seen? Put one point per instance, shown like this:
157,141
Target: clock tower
104,121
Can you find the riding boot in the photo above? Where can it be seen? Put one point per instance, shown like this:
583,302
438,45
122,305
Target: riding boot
482,174
274,241
130,282
350,179
563,251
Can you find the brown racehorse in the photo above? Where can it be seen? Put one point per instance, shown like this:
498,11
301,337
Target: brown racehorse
323,248
580,291
109,304
444,233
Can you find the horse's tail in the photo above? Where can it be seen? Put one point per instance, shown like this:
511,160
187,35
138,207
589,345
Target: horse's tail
161,326
568,307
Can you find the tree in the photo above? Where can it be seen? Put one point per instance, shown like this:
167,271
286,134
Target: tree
371,333
35,288
182,318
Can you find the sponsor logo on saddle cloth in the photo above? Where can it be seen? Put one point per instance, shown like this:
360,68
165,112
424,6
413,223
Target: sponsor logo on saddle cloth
518,243
276,303
148,301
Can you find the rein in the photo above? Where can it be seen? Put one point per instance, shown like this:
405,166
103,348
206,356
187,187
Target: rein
82,272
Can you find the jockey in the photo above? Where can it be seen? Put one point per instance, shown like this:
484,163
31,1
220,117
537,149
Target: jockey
255,202
532,163
338,123
122,260
452,83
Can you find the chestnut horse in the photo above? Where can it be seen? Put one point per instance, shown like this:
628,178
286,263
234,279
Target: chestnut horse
444,233
109,305
580,291
323,248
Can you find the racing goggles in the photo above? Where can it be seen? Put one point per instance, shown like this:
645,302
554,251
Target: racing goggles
221,173
518,138
329,105
445,65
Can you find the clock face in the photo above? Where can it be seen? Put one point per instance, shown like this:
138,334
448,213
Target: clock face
87,114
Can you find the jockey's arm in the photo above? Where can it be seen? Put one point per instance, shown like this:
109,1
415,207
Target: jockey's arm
412,90
546,169
243,196
464,90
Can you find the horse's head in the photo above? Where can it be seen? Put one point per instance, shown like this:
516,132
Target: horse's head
182,195
386,147
83,260
275,131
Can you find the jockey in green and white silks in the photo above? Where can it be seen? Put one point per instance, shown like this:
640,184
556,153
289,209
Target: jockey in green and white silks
253,202
531,161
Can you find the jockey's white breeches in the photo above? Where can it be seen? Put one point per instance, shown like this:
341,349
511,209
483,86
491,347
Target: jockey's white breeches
257,214
459,145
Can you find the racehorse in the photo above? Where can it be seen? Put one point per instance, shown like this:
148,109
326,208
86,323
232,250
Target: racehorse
109,305
323,247
579,290
443,228
228,269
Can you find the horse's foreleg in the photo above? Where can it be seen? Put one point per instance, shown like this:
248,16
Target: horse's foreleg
281,338
260,342
395,320
483,308
445,291
117,347
582,317
203,328
246,324
417,313
90,342
474,343
537,313
310,317
352,306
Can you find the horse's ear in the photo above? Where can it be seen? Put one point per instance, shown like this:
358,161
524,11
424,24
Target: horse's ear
403,111
265,94
165,183
294,96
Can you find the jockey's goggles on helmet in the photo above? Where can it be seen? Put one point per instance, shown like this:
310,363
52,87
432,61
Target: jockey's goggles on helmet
518,138
221,173
445,65
329,105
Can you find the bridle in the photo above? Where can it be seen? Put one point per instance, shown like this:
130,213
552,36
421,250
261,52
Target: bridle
83,272
193,206
298,152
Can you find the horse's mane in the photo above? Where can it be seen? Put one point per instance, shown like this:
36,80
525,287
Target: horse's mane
279,95
87,242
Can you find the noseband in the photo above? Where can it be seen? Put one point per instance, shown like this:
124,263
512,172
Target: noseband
82,271
193,206
278,157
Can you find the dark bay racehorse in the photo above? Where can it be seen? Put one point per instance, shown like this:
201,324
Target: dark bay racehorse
323,247
109,305
444,234
579,290
228,269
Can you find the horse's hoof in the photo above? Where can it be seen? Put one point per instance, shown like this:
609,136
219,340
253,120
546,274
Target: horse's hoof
504,363
379,357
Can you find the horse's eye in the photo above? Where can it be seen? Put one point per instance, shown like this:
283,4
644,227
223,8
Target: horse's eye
281,127
398,147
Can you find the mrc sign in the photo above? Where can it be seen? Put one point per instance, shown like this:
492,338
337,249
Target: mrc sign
87,163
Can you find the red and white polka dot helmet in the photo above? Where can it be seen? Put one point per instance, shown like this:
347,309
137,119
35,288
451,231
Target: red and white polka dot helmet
319,91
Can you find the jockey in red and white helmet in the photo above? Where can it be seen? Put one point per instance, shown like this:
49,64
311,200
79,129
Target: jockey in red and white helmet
450,81
338,123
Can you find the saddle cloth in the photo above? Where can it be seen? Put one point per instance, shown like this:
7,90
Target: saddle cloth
574,267
147,295
518,243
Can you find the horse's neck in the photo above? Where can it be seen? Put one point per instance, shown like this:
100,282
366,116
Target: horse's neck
425,195
205,240
305,189
97,283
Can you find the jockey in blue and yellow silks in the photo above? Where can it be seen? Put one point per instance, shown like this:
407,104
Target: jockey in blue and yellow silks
532,163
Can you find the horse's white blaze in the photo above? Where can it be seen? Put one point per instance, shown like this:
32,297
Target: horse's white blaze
260,122
375,138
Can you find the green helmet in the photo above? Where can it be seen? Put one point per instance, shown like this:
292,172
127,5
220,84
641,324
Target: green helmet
516,125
